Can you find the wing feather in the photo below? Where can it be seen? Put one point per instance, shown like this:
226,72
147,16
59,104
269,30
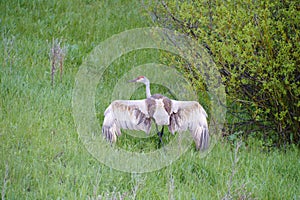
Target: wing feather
190,115
125,114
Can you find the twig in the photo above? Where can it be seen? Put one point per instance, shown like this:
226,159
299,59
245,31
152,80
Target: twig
9,46
233,171
5,181
171,188
57,56
182,24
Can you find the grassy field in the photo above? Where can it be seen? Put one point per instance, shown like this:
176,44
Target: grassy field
41,154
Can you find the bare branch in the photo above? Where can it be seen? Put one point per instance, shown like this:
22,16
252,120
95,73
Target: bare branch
5,180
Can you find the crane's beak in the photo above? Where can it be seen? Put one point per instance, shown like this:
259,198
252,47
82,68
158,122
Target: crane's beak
133,81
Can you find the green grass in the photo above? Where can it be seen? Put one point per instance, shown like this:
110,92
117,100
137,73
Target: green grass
41,155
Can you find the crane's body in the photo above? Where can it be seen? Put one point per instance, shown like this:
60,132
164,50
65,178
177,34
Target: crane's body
138,114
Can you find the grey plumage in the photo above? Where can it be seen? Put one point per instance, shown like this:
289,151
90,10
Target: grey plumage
138,114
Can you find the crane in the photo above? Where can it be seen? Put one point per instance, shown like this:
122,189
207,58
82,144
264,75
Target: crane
138,115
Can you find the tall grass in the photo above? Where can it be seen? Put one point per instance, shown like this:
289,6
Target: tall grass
41,155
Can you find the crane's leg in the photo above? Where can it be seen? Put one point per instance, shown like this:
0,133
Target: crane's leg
160,134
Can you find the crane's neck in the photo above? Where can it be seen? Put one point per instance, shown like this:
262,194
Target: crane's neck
148,93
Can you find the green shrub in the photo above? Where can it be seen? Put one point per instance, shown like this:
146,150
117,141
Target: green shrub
256,47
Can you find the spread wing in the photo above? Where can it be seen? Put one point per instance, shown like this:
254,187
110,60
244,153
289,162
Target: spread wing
190,115
125,114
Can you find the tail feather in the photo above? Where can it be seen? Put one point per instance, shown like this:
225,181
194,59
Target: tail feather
201,138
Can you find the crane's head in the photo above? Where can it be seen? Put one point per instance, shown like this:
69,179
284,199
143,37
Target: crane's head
141,79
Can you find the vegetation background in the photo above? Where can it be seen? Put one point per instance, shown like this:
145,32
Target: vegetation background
42,46
255,45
